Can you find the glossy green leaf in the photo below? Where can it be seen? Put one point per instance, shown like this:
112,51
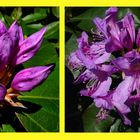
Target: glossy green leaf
53,30
90,122
33,17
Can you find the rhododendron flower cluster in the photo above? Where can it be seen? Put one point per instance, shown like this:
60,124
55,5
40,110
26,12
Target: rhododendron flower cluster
15,50
113,50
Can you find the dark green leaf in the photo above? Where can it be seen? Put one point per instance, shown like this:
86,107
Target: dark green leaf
71,45
7,128
17,13
33,17
53,30
90,122
86,18
55,11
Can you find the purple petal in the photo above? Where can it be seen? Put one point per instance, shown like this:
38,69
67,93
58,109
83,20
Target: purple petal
103,88
83,38
102,103
83,53
89,63
126,39
85,76
122,64
102,75
101,25
110,69
29,78
138,38
73,61
122,93
91,54
132,54
14,33
112,44
6,45
3,28
111,11
128,23
3,92
30,46
21,36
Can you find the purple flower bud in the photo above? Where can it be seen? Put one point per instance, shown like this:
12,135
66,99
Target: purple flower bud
3,28
30,46
29,78
5,49
14,33
2,92
21,36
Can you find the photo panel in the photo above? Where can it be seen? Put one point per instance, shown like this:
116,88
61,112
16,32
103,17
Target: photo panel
29,70
102,61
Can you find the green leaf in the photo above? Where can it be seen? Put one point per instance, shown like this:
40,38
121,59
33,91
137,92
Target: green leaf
2,17
33,17
7,128
17,13
8,20
115,126
55,11
71,45
46,95
53,30
90,120
42,10
86,18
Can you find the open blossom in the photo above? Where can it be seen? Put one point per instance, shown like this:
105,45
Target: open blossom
14,50
101,64
117,34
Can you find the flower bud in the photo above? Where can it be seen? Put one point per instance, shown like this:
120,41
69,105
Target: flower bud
30,46
29,78
2,92
5,49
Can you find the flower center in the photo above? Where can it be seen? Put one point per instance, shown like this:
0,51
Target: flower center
6,75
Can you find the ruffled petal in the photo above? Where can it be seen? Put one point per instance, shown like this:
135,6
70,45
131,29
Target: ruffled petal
113,44
103,88
121,95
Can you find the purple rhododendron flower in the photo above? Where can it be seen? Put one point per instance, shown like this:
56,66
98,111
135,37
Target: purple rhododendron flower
101,65
14,50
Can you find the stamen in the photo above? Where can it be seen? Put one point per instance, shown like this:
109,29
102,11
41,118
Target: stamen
97,36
